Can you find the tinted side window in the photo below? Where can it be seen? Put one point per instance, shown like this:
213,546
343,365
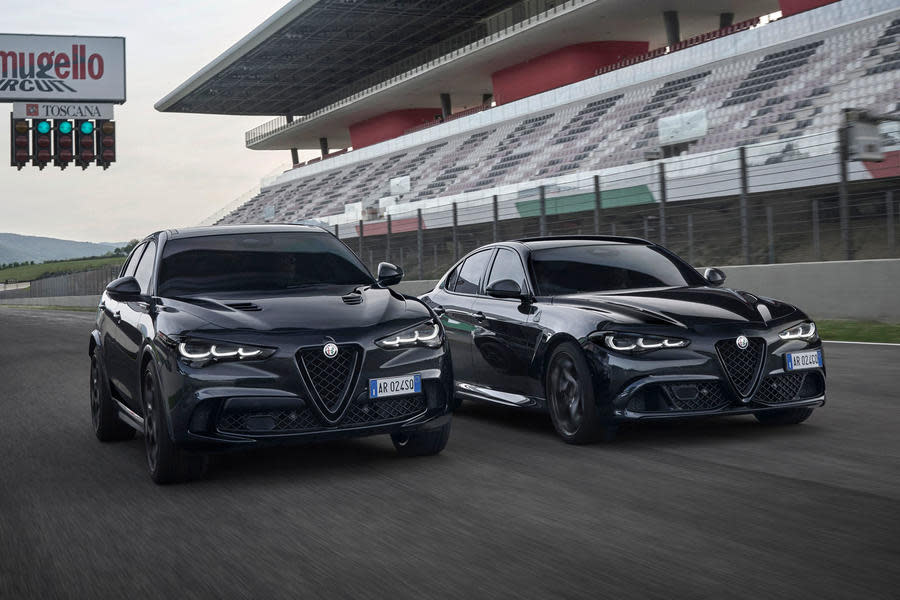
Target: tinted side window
507,266
145,267
450,282
128,271
471,272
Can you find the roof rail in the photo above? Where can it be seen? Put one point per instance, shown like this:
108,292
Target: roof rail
599,238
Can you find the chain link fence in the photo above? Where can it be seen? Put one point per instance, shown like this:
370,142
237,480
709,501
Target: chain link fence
770,203
85,283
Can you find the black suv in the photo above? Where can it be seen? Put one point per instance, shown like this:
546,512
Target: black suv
229,337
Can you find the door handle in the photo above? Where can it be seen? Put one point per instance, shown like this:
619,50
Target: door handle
438,310
117,316
479,316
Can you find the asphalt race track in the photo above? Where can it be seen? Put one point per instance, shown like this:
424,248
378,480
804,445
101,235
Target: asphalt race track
723,508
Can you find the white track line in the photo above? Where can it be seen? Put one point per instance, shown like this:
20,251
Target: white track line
862,343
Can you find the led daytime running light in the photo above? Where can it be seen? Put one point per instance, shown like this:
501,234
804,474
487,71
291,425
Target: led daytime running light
214,351
803,331
408,341
629,343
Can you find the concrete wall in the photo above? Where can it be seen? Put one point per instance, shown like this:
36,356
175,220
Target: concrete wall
865,290
416,288
858,289
851,289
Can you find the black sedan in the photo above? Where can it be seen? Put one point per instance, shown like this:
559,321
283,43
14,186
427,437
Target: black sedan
230,337
600,330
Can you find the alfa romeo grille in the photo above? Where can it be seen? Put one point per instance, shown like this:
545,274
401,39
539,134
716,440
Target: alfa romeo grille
329,378
741,366
701,395
776,389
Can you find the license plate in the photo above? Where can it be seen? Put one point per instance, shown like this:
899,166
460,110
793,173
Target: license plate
395,386
803,360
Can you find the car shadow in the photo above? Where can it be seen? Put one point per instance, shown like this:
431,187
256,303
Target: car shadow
311,461
531,421
686,431
307,460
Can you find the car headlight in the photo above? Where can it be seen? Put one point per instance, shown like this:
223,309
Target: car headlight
427,334
803,331
195,351
629,342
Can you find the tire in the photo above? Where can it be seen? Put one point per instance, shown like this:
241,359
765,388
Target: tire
108,427
787,416
571,400
165,461
422,443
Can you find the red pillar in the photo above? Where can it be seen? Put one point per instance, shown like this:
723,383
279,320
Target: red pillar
389,125
792,7
560,67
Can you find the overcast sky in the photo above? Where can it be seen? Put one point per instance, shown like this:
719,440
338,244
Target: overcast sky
172,169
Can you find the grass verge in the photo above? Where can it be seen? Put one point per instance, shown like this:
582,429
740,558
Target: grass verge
859,331
57,267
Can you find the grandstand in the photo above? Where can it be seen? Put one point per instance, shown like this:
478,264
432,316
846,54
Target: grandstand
508,123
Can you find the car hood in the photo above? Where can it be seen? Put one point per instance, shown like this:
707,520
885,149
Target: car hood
683,306
327,309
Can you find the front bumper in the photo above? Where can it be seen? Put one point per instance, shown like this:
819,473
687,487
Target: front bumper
694,382
260,403
632,404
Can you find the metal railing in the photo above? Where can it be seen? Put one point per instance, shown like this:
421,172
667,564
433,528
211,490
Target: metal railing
770,204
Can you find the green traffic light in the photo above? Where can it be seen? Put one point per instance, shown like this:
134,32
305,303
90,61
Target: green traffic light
87,128
65,127
43,127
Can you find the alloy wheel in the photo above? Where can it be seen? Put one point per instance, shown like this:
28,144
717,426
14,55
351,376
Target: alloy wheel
150,429
95,393
566,396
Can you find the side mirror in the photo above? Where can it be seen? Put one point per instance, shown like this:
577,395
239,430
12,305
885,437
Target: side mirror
715,277
505,288
124,288
389,274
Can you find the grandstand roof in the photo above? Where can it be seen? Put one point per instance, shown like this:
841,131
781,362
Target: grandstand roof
296,60
310,53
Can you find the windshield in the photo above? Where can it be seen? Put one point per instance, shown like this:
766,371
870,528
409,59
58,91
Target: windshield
257,262
608,267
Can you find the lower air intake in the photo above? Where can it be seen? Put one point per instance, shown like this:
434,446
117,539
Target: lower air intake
701,395
776,389
305,420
